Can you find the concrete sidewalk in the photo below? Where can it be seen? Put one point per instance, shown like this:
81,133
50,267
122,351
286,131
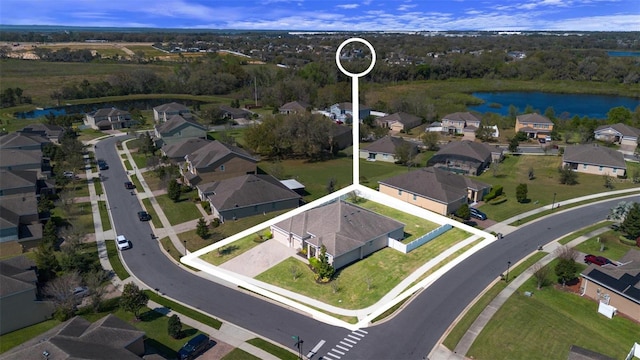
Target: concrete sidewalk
228,333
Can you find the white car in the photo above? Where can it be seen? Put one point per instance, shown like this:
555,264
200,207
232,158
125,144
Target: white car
123,243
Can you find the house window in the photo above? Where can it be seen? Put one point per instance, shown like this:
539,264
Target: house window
399,192
415,197
221,167
600,168
615,170
584,166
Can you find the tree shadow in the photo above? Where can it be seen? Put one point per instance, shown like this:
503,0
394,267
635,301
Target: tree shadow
228,250
153,346
150,315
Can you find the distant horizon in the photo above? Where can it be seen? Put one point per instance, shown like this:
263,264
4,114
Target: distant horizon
330,15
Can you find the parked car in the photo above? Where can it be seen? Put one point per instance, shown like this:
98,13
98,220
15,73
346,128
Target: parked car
475,213
598,260
123,243
102,165
80,291
194,347
129,185
144,216
68,174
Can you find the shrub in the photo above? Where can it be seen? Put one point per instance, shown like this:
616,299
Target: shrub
494,193
498,200
174,327
215,222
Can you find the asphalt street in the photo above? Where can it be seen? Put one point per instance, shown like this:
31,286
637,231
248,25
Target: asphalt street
411,334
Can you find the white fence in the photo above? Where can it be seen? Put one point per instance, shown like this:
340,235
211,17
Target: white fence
406,248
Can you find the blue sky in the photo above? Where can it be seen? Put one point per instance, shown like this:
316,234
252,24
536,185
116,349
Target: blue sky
326,15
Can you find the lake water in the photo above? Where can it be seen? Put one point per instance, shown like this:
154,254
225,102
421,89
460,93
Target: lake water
623,53
564,105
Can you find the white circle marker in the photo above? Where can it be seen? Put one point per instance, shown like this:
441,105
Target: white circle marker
355,102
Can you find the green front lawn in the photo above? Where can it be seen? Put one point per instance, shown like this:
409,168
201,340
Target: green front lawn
363,283
239,354
613,248
104,216
154,217
554,320
178,212
232,250
275,350
514,171
114,260
17,337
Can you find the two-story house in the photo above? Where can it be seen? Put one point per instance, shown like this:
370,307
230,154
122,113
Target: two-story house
108,119
344,112
456,123
536,126
178,128
163,112
217,161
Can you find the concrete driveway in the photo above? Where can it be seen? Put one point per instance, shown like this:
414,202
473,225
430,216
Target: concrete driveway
259,259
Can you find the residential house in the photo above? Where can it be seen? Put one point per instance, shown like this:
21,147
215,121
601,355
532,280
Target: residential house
217,161
19,219
434,189
176,129
348,232
51,132
385,149
341,137
176,151
22,304
399,121
164,112
108,119
455,123
534,125
294,107
617,286
465,157
12,159
232,113
344,112
105,339
247,195
594,159
619,133
435,126
17,182
23,141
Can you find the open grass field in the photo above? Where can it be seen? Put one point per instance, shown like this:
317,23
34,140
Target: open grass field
555,320
363,283
178,212
10,340
613,248
514,171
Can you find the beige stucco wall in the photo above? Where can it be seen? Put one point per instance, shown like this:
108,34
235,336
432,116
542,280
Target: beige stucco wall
595,170
440,208
623,305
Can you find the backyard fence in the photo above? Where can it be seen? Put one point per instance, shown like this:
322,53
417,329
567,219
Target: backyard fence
406,248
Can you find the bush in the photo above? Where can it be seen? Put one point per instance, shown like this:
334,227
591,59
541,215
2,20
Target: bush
215,222
498,200
494,193
174,327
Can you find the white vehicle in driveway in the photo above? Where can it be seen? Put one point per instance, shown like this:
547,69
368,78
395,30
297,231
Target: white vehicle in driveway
123,243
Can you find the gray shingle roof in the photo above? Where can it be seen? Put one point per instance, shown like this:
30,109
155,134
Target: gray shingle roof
171,107
17,179
215,151
401,117
623,129
109,112
180,149
477,151
594,155
435,184
175,122
533,118
17,274
340,226
388,144
246,190
15,157
461,116
295,106
19,139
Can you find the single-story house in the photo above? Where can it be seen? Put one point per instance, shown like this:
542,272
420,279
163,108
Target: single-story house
235,113
434,189
536,126
619,133
12,159
51,132
594,159
22,304
465,157
217,161
247,195
14,182
163,112
77,338
176,151
344,112
399,121
435,126
294,107
108,119
348,232
178,128
19,218
455,123
617,286
385,148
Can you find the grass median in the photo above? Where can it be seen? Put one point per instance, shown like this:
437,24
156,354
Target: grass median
114,259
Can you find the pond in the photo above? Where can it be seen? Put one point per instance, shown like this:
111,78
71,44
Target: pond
565,106
140,104
623,53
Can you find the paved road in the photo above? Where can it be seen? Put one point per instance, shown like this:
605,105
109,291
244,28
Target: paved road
410,335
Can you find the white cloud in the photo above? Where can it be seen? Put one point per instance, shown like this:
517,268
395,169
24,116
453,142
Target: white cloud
348,6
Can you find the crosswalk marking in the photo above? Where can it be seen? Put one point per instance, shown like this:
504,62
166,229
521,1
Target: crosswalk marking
353,337
345,344
360,330
349,340
335,356
338,351
342,348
